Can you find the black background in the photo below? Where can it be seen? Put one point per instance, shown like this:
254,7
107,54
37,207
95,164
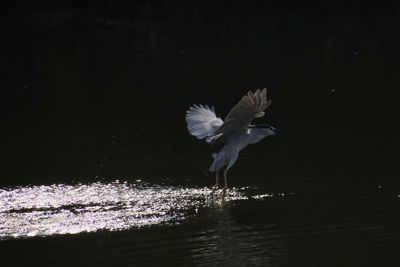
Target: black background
74,72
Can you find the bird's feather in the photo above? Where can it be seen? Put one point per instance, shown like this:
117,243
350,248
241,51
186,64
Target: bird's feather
202,122
252,105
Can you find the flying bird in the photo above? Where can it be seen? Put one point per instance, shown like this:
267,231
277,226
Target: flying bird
229,137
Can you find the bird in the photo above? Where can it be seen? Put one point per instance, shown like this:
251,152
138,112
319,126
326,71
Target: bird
228,137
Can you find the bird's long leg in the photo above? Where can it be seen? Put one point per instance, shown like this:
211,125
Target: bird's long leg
226,183
215,187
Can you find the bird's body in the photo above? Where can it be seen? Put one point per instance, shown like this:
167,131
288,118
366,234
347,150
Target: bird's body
229,137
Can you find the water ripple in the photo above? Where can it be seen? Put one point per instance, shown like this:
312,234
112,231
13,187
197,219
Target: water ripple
70,209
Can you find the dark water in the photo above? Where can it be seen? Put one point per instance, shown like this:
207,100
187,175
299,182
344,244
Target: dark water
98,168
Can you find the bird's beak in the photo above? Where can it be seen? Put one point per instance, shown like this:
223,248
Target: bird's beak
278,131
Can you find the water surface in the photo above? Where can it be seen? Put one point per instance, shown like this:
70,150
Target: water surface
72,209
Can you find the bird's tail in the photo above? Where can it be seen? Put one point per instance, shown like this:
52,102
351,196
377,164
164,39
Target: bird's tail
202,121
215,166
219,162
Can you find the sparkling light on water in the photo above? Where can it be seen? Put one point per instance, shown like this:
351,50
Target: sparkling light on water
70,209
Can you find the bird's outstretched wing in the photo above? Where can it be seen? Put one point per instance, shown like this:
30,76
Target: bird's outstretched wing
202,121
251,106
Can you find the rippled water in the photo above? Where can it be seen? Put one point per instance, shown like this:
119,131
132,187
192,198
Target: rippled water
71,209
145,224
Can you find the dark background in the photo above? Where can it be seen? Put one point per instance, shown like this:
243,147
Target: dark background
84,74
97,90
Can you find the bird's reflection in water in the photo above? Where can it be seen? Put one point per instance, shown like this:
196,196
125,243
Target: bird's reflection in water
225,242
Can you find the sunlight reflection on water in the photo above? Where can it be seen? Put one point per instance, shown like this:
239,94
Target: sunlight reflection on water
70,209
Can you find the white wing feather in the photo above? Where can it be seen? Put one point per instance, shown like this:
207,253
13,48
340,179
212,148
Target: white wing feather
202,122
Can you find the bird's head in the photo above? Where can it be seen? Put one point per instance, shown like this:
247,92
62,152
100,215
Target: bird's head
266,128
259,131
